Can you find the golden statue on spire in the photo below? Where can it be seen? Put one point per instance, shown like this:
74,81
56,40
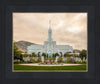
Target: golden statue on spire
50,21
49,24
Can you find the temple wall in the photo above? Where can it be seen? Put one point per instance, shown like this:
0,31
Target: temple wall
44,48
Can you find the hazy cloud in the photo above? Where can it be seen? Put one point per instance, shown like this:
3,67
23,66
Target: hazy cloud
67,28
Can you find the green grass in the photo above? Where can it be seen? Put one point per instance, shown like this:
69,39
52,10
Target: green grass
18,67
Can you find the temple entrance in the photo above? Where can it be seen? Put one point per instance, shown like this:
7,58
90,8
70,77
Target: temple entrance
50,54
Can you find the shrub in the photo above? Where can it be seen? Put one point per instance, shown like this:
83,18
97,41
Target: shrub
60,59
32,61
39,60
16,61
55,62
71,60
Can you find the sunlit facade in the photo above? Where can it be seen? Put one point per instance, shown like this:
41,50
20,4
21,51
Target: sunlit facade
49,47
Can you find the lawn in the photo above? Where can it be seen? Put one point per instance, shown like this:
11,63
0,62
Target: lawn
18,67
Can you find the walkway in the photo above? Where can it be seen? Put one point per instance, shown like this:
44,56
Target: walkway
36,64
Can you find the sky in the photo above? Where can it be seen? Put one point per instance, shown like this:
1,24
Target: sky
67,28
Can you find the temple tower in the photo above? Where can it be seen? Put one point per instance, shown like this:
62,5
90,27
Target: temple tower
50,32
50,45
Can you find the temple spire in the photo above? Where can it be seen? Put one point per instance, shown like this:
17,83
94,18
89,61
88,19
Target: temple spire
50,32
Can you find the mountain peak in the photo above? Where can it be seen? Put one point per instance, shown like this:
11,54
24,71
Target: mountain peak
22,45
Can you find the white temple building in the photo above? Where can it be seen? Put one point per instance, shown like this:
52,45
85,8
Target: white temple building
49,47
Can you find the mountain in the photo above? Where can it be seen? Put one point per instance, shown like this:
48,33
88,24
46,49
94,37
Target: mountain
22,45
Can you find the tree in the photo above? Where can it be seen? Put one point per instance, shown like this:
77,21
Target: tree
39,60
17,52
83,54
67,54
43,54
56,54
38,54
25,55
21,57
33,54
15,49
60,60
61,54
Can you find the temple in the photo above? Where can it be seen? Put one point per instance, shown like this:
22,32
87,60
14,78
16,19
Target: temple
49,46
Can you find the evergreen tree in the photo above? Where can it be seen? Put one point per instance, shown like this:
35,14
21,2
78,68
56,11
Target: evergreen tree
83,54
43,54
33,54
56,54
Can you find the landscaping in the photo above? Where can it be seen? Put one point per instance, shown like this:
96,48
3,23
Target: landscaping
41,62
18,67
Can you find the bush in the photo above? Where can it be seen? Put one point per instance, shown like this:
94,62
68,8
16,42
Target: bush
55,62
32,61
16,61
53,59
39,60
60,60
71,60
23,62
78,62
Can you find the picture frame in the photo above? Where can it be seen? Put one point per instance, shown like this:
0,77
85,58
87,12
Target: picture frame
34,77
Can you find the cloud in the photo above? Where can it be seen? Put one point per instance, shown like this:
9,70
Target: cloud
67,28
